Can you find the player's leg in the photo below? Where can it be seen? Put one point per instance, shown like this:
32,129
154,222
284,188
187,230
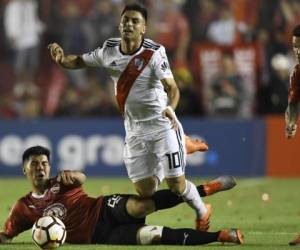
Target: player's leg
189,193
113,214
174,163
140,165
148,235
222,183
138,234
146,187
143,166
164,199
138,207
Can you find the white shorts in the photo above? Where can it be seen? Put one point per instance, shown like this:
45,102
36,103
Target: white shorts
160,154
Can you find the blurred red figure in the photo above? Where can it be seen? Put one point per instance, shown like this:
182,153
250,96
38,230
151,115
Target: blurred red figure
168,22
292,111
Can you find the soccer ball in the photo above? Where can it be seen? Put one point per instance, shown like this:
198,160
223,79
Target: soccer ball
48,232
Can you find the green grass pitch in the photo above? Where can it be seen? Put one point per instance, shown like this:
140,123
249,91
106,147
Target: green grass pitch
266,224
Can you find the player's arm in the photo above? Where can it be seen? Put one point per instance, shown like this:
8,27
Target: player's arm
291,113
4,238
17,222
172,90
68,177
291,117
66,61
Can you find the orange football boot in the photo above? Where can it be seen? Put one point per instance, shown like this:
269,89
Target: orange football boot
202,224
194,145
231,235
219,184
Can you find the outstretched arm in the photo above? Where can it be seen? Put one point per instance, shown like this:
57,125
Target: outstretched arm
68,61
291,117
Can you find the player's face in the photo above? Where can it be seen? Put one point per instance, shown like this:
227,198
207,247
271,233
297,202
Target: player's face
37,170
132,26
296,47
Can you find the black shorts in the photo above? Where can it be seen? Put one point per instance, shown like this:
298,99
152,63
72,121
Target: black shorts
115,225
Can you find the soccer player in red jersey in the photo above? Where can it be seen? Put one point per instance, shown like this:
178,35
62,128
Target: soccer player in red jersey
113,219
147,96
292,111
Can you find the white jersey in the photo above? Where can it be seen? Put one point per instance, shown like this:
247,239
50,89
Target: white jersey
142,71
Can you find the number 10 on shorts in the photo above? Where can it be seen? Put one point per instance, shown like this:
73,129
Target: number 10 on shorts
174,159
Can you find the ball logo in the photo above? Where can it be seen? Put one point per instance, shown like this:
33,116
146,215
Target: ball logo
57,210
139,63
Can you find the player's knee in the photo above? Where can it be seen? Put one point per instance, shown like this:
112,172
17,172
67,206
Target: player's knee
146,192
146,188
139,207
149,235
176,185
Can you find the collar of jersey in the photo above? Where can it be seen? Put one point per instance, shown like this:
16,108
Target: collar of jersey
130,54
39,196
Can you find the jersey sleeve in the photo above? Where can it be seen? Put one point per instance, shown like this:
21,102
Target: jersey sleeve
16,222
94,58
161,64
294,88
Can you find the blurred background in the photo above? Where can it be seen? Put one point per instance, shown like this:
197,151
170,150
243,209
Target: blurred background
231,60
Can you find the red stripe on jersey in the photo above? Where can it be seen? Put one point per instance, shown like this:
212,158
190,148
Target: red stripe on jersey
130,74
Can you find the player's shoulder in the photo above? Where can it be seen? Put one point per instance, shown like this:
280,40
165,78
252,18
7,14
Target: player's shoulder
112,43
24,198
150,44
20,204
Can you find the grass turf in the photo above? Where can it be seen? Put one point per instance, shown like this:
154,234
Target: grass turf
266,224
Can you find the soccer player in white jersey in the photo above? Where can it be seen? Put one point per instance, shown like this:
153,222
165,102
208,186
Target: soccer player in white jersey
147,96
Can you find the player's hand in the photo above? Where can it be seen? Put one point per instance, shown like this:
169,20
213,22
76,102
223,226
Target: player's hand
56,52
66,177
290,131
170,114
4,238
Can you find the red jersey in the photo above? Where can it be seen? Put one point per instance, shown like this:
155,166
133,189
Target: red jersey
78,211
294,89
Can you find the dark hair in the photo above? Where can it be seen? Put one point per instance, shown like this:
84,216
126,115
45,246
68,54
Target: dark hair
36,150
296,31
136,7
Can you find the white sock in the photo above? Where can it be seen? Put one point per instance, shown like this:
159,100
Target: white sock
157,183
160,176
191,196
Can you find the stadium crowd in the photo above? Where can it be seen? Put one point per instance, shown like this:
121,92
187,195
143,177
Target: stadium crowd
230,57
